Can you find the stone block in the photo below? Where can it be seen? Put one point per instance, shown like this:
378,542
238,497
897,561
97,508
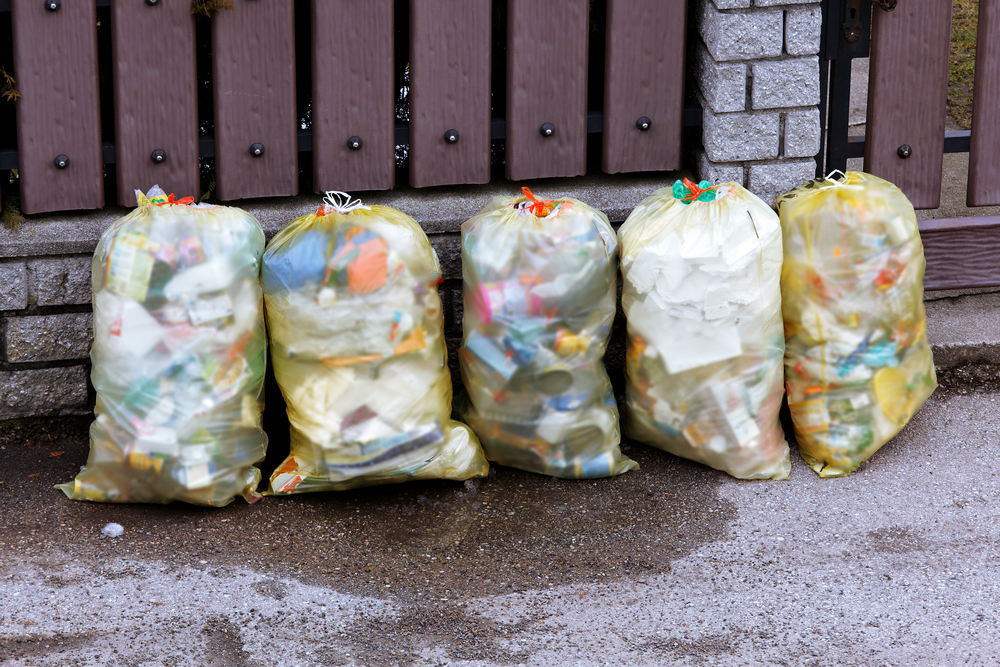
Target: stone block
723,85
734,137
741,35
716,173
49,337
731,4
768,181
58,281
803,28
44,391
13,286
802,129
785,83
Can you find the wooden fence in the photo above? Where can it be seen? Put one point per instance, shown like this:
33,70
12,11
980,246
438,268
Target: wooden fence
353,130
906,138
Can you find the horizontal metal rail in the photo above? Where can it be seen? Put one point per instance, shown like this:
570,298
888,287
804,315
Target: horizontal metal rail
954,142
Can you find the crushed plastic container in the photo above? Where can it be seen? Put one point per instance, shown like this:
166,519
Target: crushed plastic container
178,357
857,362
701,268
358,350
539,300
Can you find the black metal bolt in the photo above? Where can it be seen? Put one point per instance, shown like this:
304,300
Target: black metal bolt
53,5
61,162
257,149
152,2
547,129
159,155
643,124
354,143
451,136
904,151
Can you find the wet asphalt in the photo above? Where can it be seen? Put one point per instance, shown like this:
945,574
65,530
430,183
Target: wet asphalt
897,564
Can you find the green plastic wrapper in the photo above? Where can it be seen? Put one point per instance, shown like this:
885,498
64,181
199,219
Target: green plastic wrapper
358,351
539,299
178,357
857,362
701,268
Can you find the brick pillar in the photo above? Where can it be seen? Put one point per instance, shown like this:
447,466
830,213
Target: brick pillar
757,75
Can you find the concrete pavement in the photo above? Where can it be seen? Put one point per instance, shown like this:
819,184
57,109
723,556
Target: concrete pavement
897,564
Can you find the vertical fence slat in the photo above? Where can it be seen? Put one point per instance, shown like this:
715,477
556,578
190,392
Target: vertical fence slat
546,83
55,64
984,150
253,87
156,104
644,77
449,90
353,95
907,93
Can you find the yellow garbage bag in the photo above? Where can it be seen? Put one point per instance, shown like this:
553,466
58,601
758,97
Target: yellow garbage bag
178,357
857,362
701,268
539,292
358,350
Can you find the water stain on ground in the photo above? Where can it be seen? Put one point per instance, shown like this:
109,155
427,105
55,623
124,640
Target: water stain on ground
895,540
224,645
415,543
26,646
461,636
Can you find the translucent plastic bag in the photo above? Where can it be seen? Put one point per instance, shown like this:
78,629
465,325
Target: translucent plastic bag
178,357
857,362
358,350
701,268
539,294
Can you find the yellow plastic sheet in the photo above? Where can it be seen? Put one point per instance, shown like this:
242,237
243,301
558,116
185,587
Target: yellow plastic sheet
539,293
358,351
701,268
857,362
178,357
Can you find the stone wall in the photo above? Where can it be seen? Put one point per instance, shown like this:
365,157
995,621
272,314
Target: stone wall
757,76
45,335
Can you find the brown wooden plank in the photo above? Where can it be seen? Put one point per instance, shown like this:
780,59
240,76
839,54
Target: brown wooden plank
644,78
156,104
546,84
449,90
55,64
984,149
353,95
961,253
907,90
253,88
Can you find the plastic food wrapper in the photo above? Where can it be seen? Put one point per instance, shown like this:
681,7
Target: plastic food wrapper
857,362
358,351
701,268
178,357
539,293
